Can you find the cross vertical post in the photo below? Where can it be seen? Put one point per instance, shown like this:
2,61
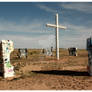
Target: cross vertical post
57,38
56,26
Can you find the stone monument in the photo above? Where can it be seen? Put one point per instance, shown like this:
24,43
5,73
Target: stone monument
89,48
22,53
6,47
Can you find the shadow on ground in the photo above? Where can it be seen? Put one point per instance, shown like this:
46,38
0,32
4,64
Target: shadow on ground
64,72
1,74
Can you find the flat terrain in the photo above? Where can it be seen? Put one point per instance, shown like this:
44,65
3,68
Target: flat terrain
40,72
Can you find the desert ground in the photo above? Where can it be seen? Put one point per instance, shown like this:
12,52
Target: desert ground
40,72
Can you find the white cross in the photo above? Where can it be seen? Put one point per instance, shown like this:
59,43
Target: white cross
57,34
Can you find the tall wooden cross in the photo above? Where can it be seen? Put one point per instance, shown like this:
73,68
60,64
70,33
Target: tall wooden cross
57,26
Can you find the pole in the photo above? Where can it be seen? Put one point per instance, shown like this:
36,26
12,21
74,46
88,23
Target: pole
57,38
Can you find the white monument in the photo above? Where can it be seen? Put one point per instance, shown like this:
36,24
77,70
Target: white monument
57,26
6,47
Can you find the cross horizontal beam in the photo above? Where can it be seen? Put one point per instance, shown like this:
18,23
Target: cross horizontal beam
55,26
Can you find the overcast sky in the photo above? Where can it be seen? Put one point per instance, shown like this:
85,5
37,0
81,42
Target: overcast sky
25,23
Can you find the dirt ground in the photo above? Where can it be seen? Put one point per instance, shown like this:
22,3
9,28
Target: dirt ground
39,72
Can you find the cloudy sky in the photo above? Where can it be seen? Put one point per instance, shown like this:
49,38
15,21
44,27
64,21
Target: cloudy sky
25,23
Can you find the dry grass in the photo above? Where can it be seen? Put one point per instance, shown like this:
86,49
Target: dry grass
36,58
43,72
